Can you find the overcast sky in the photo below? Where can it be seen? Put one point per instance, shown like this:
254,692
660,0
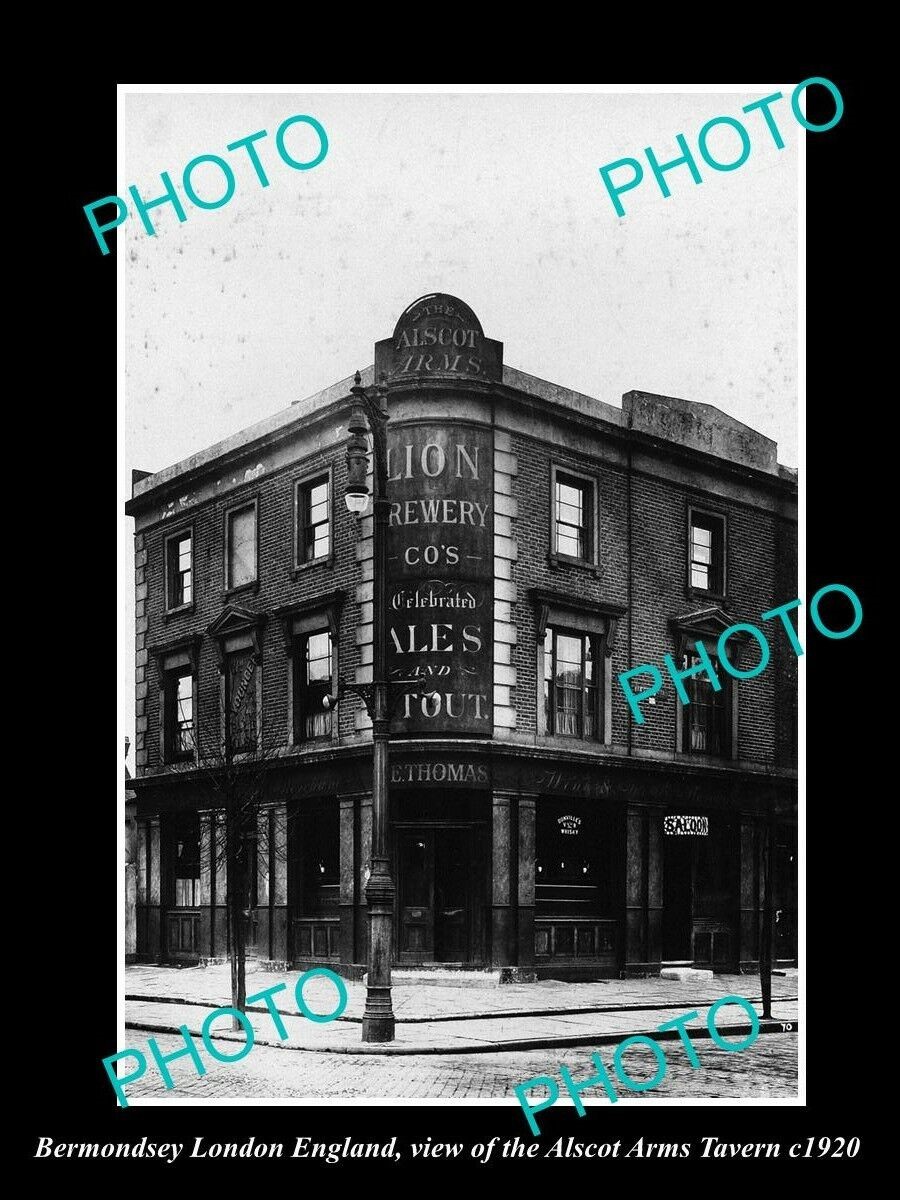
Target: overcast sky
497,199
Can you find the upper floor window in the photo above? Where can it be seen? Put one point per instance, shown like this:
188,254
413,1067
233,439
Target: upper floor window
312,683
240,700
179,707
313,519
706,728
571,677
177,666
240,546
706,552
573,504
179,569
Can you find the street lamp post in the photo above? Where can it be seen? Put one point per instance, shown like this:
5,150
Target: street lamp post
369,414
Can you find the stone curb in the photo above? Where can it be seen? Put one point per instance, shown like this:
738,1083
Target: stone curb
491,1015
482,1047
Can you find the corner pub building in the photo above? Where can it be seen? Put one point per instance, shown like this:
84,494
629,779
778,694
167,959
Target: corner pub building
539,543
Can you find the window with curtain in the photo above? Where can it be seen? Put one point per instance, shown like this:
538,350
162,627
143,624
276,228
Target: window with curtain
312,683
705,719
571,683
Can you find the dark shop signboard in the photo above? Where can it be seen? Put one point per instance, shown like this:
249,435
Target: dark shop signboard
440,591
438,335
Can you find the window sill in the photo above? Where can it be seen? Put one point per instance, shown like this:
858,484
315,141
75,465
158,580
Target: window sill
560,742
695,593
567,560
325,561
242,589
239,756
179,611
704,760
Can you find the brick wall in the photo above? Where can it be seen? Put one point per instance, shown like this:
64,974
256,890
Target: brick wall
760,572
278,584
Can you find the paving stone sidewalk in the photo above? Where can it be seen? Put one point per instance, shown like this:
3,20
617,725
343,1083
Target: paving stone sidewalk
443,1017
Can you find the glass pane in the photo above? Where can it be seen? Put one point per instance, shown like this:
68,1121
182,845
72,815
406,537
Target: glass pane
242,547
701,536
568,650
699,576
569,513
318,654
318,494
568,541
322,543
566,494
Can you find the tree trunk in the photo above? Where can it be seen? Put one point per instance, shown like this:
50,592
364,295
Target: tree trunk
236,856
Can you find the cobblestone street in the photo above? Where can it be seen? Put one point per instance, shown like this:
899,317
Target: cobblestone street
767,1068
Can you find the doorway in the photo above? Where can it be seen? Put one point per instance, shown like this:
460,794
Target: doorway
435,887
678,872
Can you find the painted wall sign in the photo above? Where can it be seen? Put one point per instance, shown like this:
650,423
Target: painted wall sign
439,335
440,598
686,826
441,772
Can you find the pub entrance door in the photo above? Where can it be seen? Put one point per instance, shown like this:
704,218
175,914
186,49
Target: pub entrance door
436,893
678,880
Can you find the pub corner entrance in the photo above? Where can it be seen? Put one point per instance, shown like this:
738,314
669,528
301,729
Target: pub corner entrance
440,869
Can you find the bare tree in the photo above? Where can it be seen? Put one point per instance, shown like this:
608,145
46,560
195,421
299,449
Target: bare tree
235,770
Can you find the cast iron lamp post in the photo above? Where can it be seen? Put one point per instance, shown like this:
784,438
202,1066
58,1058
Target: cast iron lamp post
369,414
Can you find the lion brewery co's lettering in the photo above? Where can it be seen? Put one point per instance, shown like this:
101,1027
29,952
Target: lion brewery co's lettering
436,465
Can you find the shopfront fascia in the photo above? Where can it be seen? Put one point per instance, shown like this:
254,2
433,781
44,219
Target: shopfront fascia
503,858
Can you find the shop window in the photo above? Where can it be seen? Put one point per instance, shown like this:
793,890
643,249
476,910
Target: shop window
320,851
186,862
574,858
